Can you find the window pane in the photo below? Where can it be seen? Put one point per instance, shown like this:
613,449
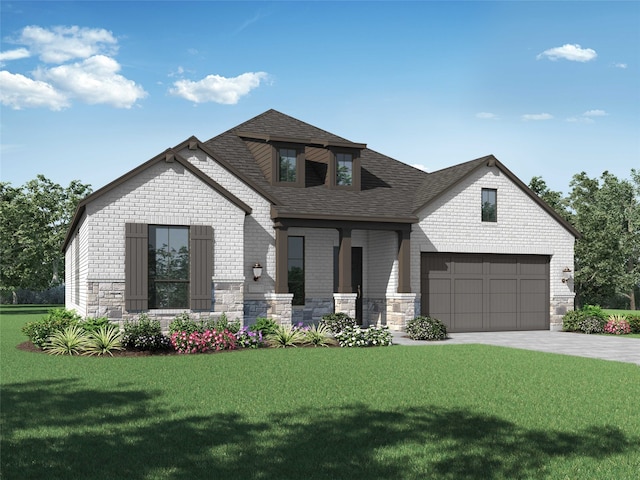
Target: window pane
295,266
287,164
344,169
168,267
489,205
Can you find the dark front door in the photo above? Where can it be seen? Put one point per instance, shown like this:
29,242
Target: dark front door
356,277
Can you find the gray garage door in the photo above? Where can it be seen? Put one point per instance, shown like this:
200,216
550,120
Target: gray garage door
481,292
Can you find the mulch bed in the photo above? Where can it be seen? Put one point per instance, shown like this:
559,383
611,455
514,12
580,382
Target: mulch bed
30,347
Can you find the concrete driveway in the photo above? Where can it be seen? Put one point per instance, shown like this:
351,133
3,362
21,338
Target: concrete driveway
615,348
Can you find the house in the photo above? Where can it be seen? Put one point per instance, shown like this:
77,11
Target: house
277,218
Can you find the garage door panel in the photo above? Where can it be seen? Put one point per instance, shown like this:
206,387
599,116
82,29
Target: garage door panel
486,292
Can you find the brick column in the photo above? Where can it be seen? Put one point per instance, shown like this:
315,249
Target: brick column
345,303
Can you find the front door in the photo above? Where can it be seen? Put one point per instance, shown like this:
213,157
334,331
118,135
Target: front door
356,277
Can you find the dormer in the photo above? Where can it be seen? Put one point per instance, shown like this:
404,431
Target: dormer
284,160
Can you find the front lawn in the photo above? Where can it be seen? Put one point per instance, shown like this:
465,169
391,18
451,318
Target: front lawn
448,411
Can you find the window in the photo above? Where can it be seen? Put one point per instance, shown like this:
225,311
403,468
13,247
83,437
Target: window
295,266
344,169
168,267
287,164
489,205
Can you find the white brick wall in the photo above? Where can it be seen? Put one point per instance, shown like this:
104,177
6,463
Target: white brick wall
168,194
452,223
259,234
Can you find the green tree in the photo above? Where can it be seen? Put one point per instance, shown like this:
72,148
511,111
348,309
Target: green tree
33,222
607,213
554,199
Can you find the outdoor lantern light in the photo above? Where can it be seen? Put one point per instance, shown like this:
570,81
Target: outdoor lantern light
565,274
257,272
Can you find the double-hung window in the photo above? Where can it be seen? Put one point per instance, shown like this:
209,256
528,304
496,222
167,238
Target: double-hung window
344,169
287,165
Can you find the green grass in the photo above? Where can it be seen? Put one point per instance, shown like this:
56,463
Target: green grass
443,411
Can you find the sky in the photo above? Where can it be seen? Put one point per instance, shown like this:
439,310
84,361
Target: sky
90,90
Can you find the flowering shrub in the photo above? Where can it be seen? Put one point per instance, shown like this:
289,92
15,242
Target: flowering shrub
426,328
337,322
144,334
592,325
246,338
209,340
368,337
617,325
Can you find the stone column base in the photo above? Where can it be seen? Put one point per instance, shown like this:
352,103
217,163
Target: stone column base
560,305
400,309
279,307
345,303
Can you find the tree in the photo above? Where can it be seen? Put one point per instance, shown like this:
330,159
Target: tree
33,222
607,213
554,199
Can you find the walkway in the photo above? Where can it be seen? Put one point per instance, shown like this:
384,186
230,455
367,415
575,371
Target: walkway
614,348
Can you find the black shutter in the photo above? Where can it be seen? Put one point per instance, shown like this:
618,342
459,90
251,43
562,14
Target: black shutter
201,266
136,260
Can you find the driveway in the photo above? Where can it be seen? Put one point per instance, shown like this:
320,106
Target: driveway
615,348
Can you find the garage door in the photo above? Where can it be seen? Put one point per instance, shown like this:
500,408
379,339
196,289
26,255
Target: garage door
476,293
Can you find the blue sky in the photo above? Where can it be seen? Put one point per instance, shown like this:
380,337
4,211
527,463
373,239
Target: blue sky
89,90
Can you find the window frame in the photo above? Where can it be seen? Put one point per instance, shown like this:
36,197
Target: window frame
332,173
296,300
485,215
152,279
300,164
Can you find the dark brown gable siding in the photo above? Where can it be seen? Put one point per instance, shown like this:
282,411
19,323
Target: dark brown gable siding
136,267
201,246
262,152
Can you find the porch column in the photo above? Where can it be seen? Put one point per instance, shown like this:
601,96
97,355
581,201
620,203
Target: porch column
282,258
344,261
404,261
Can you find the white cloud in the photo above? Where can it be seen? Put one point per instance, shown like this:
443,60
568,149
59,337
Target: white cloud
18,91
94,80
61,44
218,89
486,116
573,52
537,116
595,113
620,65
587,117
16,54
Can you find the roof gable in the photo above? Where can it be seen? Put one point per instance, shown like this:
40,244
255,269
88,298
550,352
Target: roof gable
442,180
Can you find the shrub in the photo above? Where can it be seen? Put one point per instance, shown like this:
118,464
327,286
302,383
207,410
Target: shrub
336,322
378,336
319,336
351,337
144,334
93,324
209,340
183,323
286,336
426,328
592,325
221,323
617,325
245,338
56,320
571,321
71,340
266,326
634,323
105,339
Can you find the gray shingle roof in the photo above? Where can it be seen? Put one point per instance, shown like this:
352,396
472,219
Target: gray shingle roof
388,186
